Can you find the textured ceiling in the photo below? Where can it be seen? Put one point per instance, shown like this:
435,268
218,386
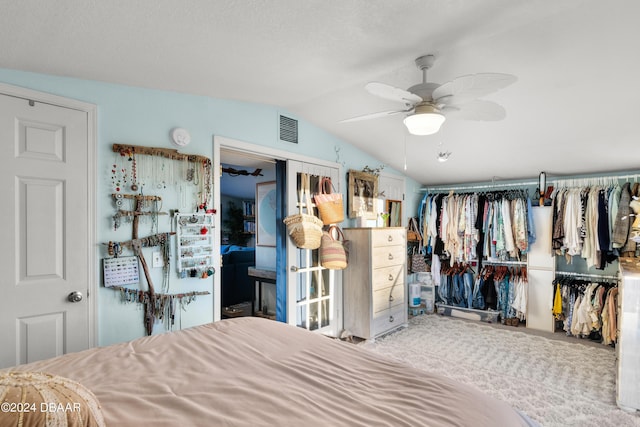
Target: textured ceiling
572,111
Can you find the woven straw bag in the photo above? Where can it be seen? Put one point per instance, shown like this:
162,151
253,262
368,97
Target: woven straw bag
333,251
305,229
330,205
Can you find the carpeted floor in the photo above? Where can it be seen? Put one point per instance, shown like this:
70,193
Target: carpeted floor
555,382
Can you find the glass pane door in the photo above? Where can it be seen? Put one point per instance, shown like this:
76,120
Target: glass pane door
313,291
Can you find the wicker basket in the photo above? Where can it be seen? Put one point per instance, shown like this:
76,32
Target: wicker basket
305,229
330,206
331,211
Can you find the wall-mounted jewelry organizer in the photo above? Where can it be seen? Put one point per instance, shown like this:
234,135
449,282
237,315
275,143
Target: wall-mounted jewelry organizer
194,239
145,170
133,215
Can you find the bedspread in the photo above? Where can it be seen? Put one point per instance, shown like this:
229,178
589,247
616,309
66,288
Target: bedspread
255,372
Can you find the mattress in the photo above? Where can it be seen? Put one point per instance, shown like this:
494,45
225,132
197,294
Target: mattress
255,372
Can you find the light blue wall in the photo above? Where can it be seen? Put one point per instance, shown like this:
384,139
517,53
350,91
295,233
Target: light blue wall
140,116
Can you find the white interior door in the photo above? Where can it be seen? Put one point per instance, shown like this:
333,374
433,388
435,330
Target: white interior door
314,294
46,225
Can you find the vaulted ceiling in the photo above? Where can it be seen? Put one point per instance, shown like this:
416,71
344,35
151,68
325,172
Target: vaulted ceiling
573,109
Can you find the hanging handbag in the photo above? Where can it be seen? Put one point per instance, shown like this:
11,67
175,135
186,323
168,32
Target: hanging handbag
330,205
305,229
418,265
413,232
333,251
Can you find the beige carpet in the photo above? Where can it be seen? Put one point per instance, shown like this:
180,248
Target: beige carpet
556,383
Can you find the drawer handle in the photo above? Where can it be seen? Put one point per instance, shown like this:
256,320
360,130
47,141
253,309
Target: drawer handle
391,319
390,256
390,238
390,277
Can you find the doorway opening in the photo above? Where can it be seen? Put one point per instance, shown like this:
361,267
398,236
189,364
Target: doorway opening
247,234
282,272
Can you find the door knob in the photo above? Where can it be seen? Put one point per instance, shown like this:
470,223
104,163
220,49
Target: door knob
75,296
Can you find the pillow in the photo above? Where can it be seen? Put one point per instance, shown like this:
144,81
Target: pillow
41,399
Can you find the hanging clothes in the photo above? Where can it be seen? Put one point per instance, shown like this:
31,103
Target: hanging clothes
475,226
594,223
588,309
557,302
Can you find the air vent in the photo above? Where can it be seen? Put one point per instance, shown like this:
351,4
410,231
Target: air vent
288,129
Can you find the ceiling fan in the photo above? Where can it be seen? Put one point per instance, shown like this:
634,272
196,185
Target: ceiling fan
428,104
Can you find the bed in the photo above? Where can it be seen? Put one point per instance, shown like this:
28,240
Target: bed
250,371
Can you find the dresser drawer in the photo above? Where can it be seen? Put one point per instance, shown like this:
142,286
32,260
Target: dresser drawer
389,319
385,256
391,236
387,276
387,297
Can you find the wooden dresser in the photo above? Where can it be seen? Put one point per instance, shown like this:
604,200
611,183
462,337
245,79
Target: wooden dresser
374,283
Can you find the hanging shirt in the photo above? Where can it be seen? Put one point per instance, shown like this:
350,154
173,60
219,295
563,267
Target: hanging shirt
531,229
509,244
557,303
572,221
622,223
520,225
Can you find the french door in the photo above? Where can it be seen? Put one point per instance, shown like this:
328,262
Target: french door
314,294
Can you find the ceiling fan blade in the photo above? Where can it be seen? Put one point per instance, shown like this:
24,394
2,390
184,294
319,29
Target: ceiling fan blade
393,93
467,88
374,115
478,110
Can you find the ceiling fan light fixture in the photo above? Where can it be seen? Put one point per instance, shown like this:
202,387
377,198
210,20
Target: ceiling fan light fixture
425,121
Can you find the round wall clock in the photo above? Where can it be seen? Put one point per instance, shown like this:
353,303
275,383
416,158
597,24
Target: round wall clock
180,137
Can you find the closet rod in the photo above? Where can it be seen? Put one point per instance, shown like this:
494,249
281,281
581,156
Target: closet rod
498,262
480,186
591,180
555,181
585,275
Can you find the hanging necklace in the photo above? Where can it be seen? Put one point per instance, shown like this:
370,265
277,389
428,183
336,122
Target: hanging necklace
118,174
134,173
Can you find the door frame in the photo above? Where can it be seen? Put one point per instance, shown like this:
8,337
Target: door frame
254,149
92,255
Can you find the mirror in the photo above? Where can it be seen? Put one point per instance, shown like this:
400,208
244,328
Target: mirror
394,209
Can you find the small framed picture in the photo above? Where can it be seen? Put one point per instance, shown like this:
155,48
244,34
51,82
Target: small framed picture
363,192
